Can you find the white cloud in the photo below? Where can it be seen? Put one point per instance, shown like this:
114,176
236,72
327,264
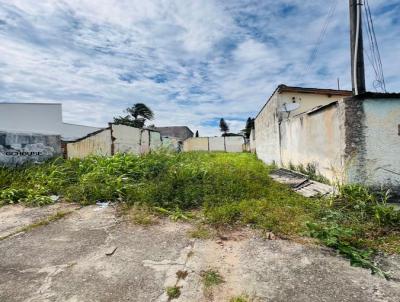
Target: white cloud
192,62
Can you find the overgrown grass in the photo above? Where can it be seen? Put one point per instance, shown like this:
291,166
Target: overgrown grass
229,189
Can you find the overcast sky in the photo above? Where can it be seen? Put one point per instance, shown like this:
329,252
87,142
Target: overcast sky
191,61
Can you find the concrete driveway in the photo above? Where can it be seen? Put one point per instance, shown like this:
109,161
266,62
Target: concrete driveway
92,255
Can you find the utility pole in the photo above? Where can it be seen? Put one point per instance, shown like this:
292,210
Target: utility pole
357,49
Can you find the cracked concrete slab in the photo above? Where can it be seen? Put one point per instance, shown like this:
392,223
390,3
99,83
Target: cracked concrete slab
15,217
70,260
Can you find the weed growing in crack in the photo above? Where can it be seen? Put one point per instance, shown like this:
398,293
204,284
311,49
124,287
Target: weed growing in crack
173,292
241,298
211,278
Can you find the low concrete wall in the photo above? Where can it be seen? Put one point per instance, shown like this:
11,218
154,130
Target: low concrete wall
196,144
20,148
155,140
98,143
126,139
217,144
228,144
115,139
234,143
172,144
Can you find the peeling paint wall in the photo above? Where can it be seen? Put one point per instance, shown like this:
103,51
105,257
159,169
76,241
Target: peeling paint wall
97,144
266,123
126,139
354,140
380,154
316,139
20,148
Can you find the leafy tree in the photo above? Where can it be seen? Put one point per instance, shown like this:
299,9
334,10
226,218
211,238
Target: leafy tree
223,126
249,125
197,133
137,116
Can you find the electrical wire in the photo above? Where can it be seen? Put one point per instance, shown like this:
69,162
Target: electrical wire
321,37
374,57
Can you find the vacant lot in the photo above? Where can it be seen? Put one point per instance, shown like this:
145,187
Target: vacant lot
228,209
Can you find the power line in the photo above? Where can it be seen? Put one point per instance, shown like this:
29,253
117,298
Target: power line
321,37
374,57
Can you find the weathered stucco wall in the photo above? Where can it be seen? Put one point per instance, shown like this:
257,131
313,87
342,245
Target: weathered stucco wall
196,144
266,131
150,141
97,144
155,140
115,139
234,143
172,144
317,139
20,148
354,140
267,121
126,139
228,144
378,160
217,144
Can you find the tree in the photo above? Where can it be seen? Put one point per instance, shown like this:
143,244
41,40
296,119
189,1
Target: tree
197,133
249,125
223,126
137,116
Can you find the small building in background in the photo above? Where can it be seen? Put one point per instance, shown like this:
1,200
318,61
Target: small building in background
43,118
173,136
179,132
